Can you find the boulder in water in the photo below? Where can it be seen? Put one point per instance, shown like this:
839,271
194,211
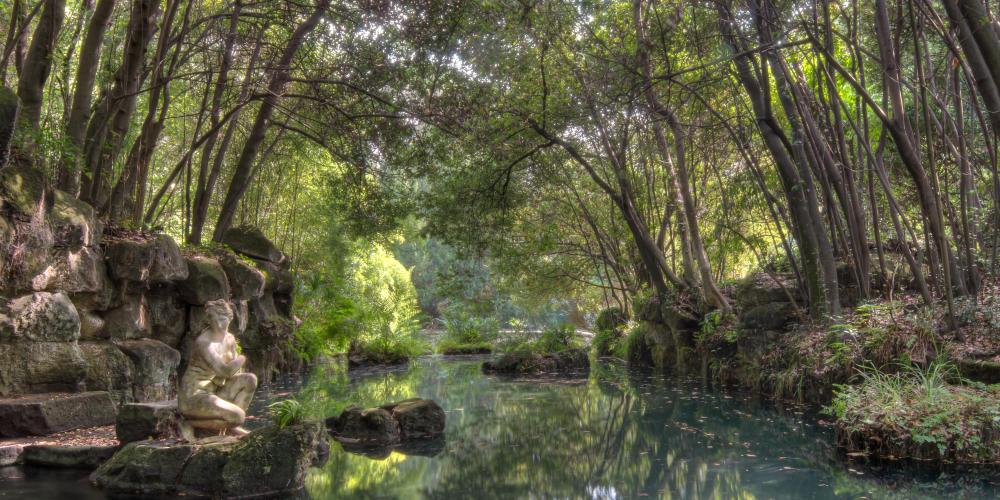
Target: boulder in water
568,362
270,462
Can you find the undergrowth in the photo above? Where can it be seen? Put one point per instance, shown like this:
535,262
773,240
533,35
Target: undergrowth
921,413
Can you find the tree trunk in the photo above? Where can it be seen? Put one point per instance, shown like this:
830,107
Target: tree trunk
110,123
243,173
86,74
38,64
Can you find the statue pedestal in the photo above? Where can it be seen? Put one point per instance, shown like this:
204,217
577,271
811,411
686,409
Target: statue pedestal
268,462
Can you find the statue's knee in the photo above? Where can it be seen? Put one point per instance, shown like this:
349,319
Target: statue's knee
234,417
251,380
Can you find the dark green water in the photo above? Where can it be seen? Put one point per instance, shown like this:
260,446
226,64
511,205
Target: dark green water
615,434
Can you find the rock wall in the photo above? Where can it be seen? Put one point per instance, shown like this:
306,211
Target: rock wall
83,308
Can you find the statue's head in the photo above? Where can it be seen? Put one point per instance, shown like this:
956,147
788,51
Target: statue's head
218,313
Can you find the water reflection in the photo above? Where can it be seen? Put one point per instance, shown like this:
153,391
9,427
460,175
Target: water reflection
614,435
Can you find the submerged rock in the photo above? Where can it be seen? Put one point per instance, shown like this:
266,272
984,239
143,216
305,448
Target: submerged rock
270,462
570,361
373,426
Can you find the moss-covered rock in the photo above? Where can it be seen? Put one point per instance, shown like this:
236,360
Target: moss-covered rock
250,241
154,368
73,222
24,189
570,362
45,317
270,462
772,316
206,280
245,280
107,369
370,427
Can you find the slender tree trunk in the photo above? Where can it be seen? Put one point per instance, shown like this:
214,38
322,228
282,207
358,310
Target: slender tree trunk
38,65
86,74
243,173
206,180
111,120
678,171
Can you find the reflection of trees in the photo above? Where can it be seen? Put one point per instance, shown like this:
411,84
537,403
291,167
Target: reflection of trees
618,435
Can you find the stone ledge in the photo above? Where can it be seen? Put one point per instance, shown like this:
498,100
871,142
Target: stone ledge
78,457
43,414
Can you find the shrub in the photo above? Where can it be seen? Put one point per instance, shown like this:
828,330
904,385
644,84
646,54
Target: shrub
611,318
556,339
606,341
369,303
287,412
634,349
467,334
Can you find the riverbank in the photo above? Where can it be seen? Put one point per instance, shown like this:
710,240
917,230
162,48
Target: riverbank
766,348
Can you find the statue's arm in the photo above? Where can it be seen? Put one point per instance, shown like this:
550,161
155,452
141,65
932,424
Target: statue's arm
215,361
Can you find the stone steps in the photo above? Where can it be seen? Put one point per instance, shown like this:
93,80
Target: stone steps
44,414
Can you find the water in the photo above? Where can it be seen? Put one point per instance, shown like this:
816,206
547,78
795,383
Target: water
615,434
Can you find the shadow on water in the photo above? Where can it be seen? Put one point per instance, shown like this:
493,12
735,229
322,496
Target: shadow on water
614,434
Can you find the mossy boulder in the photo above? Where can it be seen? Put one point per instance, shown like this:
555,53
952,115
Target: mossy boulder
372,427
570,362
154,260
206,280
72,270
44,317
418,418
245,280
154,368
270,462
24,189
772,316
107,369
152,420
73,222
250,241
34,367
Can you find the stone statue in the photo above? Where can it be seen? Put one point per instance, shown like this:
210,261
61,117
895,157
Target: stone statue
214,393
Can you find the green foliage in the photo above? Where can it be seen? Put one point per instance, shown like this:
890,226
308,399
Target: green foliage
635,343
366,300
717,326
556,339
611,318
922,412
611,323
467,334
287,412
